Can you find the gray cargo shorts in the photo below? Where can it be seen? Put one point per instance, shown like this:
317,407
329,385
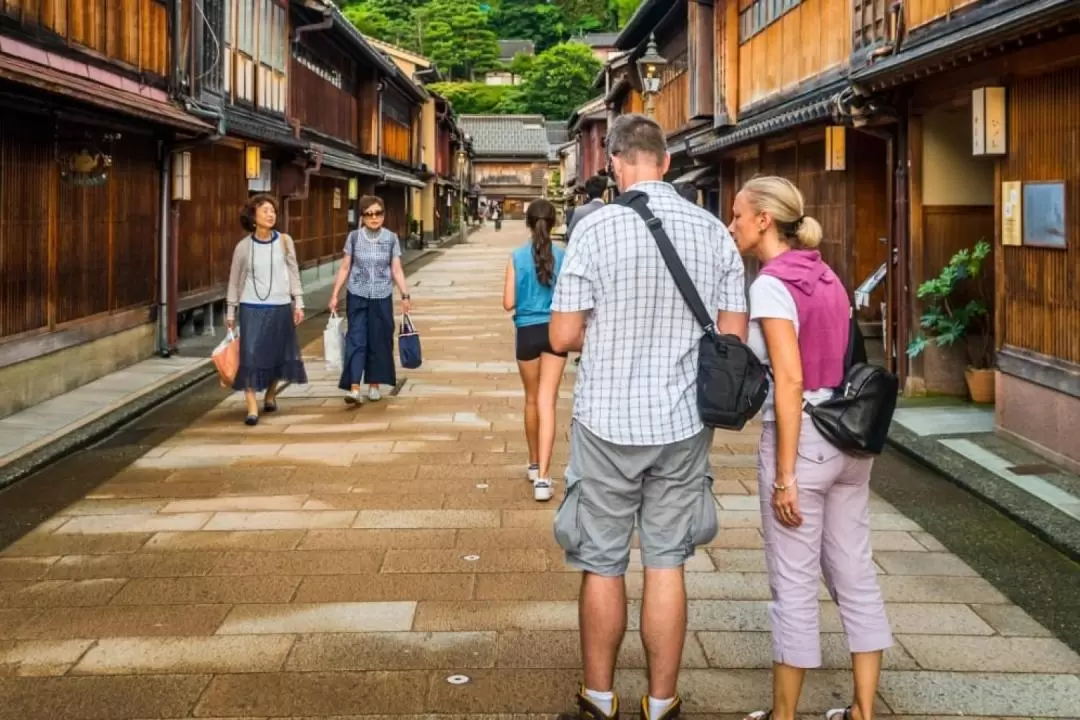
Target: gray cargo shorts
666,489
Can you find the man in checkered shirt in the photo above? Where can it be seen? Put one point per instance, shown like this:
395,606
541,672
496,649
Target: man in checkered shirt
638,449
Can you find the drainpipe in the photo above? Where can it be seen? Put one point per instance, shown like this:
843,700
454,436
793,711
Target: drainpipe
164,308
207,114
378,129
325,24
177,45
308,172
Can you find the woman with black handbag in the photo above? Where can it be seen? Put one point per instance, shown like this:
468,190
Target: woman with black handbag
814,497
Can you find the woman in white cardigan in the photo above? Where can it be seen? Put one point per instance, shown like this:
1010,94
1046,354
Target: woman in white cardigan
264,285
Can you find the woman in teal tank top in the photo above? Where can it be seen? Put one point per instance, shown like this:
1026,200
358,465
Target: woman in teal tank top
530,284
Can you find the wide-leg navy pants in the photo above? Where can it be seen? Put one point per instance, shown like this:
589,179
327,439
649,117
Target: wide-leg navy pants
369,342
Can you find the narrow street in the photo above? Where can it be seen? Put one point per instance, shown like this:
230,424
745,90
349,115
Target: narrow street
336,562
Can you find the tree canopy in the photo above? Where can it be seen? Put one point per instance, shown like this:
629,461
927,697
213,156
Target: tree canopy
559,80
461,38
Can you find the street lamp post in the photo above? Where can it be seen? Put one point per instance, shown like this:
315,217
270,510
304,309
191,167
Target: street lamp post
650,65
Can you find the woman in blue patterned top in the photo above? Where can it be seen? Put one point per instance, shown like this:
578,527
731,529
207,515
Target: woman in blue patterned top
530,283
372,266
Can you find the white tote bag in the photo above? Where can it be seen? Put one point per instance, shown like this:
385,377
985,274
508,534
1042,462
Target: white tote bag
334,343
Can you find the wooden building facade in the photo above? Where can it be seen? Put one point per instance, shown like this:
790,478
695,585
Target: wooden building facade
915,129
133,132
985,109
511,159
588,129
84,114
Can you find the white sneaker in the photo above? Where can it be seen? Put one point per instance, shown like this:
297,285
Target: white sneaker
354,397
532,474
542,490
374,395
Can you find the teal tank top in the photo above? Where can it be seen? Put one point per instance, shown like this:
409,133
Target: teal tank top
532,301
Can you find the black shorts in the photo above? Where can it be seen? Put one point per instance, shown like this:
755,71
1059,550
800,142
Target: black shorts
532,340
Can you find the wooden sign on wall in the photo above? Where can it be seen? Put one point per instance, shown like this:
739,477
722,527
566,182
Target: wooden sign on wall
1011,213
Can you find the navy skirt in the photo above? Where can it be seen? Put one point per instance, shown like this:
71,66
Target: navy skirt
269,350
369,342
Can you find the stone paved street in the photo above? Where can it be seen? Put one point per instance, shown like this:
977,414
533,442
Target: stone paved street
335,562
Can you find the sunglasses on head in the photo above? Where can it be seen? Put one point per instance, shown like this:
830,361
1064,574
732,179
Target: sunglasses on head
373,213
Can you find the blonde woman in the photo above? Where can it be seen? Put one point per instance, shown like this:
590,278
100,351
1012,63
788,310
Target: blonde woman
814,498
265,291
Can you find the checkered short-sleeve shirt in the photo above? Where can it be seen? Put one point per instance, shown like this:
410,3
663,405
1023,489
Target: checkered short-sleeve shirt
370,275
636,383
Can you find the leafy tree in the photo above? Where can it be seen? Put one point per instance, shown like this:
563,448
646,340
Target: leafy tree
560,80
623,10
388,20
474,98
522,64
586,15
457,37
542,23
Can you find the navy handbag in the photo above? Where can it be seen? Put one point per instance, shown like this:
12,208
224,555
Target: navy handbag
409,344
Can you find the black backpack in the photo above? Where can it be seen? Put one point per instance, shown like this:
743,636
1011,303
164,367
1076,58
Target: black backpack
857,418
732,383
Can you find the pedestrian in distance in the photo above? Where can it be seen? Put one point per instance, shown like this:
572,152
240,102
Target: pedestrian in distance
265,292
527,292
370,269
595,187
639,452
815,499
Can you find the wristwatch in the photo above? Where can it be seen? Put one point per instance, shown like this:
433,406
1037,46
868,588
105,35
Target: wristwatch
406,296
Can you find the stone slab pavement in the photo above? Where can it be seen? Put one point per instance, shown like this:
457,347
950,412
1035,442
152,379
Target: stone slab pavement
343,563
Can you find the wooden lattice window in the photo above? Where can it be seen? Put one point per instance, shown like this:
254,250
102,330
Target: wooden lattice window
871,23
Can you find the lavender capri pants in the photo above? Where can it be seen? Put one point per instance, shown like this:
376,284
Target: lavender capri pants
834,499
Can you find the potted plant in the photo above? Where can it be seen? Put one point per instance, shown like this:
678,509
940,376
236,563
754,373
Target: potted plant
949,325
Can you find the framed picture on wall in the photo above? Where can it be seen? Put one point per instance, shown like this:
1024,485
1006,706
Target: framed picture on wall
1044,214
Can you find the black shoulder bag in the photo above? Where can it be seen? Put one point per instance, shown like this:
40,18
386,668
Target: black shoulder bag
732,383
857,418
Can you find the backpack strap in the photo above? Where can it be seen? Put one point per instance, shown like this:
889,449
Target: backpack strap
638,201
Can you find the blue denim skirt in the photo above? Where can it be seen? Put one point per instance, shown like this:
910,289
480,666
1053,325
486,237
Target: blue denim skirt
269,350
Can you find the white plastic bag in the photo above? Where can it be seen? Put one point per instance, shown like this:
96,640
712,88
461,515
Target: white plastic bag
334,343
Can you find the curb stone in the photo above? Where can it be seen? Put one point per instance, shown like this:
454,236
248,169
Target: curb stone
1045,521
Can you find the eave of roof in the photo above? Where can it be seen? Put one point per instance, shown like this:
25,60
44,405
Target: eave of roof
642,22
368,51
977,29
813,107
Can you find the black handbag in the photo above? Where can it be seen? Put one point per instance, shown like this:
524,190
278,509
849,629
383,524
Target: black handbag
732,383
857,418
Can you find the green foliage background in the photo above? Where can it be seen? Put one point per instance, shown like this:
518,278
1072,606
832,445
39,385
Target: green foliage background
461,36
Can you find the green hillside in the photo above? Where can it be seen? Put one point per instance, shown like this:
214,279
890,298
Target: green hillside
461,37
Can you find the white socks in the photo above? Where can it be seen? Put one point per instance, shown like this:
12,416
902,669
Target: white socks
658,707
603,700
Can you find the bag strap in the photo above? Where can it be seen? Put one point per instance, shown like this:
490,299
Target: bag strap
638,201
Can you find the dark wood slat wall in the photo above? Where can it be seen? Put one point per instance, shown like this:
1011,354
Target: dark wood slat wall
397,141
26,178
69,252
318,229
210,222
319,105
132,32
397,218
1040,303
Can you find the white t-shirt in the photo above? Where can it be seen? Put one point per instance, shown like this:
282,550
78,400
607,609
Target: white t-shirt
770,298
